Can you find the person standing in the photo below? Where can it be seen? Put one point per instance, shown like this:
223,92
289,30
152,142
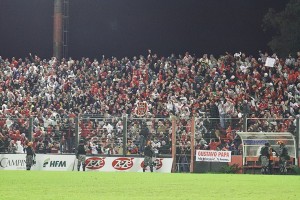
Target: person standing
222,113
271,159
283,157
214,114
148,152
81,155
30,156
266,157
144,133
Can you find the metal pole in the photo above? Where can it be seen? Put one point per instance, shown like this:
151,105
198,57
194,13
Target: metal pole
245,123
174,143
65,38
30,129
192,144
124,135
76,131
297,141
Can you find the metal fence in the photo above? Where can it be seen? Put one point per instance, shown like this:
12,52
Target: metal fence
176,137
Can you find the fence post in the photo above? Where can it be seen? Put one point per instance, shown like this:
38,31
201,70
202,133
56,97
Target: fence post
174,143
76,131
245,123
30,128
297,141
124,135
192,144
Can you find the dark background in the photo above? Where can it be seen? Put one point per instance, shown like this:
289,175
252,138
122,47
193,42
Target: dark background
129,27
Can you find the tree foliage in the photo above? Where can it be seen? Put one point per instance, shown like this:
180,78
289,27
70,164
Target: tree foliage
285,28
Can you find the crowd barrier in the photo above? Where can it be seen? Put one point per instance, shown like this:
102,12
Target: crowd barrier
49,162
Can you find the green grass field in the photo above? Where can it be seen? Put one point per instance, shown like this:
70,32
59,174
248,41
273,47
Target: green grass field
44,185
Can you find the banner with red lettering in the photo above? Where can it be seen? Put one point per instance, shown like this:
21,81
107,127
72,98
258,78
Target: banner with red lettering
213,156
126,164
51,162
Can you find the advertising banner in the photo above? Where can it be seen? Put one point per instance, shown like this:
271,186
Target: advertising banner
43,162
213,156
52,162
126,164
12,161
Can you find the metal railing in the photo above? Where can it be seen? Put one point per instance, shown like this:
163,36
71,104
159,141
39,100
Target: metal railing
122,135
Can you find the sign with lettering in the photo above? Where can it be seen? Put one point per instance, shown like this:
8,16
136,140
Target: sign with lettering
213,156
56,162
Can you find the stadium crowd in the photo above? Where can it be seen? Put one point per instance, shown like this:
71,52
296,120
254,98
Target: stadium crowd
219,92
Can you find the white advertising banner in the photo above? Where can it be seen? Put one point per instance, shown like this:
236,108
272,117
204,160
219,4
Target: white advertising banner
213,156
52,162
12,161
126,164
48,162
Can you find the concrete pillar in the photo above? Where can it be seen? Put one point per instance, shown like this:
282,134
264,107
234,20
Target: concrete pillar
57,29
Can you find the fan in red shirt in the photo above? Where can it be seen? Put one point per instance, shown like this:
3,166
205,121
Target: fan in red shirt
213,145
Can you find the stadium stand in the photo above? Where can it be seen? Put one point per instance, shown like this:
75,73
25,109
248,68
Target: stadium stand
219,92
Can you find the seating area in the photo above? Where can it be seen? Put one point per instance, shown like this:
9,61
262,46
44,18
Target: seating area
253,165
218,91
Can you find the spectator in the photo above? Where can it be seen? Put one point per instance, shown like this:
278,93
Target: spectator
144,133
214,114
203,144
213,145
